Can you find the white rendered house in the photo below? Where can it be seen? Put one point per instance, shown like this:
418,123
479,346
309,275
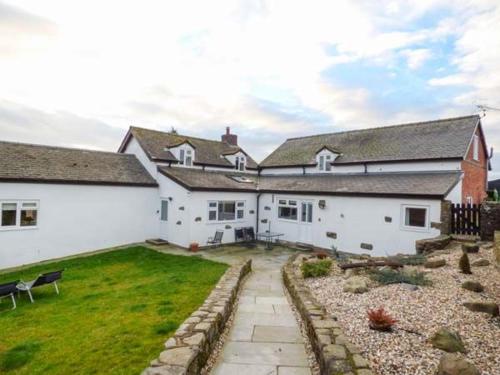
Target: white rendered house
372,191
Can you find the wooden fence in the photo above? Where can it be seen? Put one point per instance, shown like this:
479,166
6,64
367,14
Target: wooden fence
465,219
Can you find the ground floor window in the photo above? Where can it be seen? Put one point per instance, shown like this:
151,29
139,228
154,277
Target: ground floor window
226,210
306,213
18,214
415,217
287,209
164,210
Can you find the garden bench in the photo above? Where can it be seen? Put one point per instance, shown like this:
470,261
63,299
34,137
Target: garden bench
42,279
8,290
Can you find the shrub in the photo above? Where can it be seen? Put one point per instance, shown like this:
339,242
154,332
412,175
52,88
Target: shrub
390,276
380,320
410,260
464,264
316,269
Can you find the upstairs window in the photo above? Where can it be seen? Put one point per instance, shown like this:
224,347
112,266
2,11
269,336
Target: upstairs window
240,163
186,157
324,160
475,148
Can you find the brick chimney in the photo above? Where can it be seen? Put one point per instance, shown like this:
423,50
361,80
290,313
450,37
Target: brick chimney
232,139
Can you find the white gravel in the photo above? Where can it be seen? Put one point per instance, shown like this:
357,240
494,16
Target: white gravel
423,311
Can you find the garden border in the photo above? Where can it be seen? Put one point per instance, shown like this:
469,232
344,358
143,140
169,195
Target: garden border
188,350
333,352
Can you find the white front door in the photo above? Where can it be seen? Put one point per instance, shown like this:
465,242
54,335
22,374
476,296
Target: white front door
305,222
164,219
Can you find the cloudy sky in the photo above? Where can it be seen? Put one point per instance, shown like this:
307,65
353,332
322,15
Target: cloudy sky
78,73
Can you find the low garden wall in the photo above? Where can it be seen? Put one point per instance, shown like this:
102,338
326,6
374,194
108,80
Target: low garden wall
334,353
188,350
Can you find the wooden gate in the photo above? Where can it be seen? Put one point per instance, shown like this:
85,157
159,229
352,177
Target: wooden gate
465,219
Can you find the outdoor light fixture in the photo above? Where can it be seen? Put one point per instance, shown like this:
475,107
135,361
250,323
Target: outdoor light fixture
322,204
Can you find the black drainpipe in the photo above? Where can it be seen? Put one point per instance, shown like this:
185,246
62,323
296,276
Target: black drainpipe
257,214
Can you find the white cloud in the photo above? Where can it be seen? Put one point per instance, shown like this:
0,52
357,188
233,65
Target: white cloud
416,57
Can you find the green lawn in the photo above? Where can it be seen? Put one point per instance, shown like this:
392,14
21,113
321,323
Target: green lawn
113,315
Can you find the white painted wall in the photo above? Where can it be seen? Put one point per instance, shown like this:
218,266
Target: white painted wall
455,195
372,168
182,228
355,220
75,219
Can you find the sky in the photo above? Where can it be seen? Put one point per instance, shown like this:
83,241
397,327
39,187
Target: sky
79,73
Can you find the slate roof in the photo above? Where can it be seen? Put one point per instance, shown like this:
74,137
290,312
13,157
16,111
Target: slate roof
36,163
414,184
439,139
430,184
494,184
207,152
197,179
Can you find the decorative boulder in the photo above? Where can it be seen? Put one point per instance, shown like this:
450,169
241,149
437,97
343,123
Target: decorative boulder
448,341
356,284
484,307
455,364
481,262
435,263
470,248
473,286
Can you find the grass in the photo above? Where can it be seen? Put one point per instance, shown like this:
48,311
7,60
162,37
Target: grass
113,315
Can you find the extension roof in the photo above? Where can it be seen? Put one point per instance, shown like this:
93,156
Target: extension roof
21,162
208,152
412,184
439,139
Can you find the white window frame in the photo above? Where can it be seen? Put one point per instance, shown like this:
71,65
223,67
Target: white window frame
324,159
412,228
239,208
186,156
309,214
288,205
475,147
162,218
19,209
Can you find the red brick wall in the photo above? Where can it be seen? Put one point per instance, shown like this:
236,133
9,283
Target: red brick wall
474,183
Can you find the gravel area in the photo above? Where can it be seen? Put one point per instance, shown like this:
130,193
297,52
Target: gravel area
420,314
313,363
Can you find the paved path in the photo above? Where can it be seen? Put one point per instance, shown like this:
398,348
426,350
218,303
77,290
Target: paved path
265,338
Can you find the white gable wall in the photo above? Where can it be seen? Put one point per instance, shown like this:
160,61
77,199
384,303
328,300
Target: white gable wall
74,219
355,220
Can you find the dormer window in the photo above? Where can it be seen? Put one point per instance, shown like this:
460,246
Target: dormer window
186,157
324,159
240,163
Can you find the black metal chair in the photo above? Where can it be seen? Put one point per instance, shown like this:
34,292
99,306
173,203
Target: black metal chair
8,290
249,234
216,240
43,279
239,235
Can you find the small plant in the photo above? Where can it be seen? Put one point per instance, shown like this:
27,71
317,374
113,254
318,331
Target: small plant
390,276
316,269
464,264
380,320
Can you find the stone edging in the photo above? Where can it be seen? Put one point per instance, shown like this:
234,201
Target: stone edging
334,353
188,350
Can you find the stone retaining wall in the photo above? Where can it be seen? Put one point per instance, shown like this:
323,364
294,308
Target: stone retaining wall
490,219
334,353
188,350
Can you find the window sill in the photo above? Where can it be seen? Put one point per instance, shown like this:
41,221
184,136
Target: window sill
227,221
16,228
415,229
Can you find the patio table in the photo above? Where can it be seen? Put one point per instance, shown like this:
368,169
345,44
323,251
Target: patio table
268,238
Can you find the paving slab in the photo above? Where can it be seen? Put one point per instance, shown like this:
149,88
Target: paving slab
264,319
277,334
233,369
271,300
265,353
283,370
253,307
